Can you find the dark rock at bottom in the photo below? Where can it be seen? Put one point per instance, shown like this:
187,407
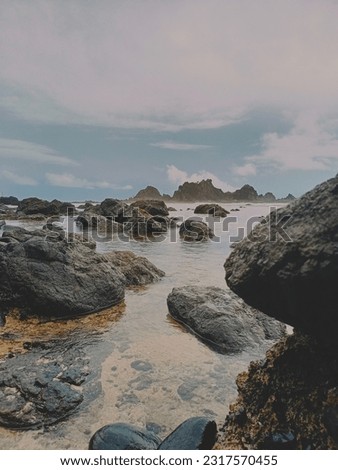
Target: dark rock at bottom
192,434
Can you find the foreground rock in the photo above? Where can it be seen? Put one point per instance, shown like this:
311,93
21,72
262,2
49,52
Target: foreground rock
212,209
222,319
42,273
193,434
194,230
41,387
288,401
121,436
137,270
293,279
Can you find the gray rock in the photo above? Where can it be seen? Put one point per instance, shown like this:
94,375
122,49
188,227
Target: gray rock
222,319
45,274
292,275
213,209
121,436
193,434
34,205
153,207
195,230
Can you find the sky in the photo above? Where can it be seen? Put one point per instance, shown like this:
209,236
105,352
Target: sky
102,98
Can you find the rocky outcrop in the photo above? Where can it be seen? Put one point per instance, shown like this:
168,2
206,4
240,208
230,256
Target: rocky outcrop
41,387
193,434
152,207
288,266
9,200
34,205
121,436
290,400
45,274
201,191
245,193
195,230
150,192
212,209
222,319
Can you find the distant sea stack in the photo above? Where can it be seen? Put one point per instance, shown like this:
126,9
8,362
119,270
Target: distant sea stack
205,191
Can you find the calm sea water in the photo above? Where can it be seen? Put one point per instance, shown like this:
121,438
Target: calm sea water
151,371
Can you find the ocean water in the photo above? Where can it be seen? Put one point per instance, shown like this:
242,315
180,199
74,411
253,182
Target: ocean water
150,371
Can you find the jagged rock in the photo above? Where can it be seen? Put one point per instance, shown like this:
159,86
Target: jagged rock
9,200
152,207
114,208
136,270
34,205
193,434
291,272
121,436
213,209
150,192
202,191
221,318
285,402
98,224
192,230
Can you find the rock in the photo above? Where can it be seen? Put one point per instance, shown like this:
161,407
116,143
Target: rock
291,272
212,209
137,271
4,209
202,191
121,436
192,230
34,205
267,197
38,388
286,399
45,274
193,434
9,200
221,318
246,193
172,209
152,207
115,209
150,192
98,224
2,223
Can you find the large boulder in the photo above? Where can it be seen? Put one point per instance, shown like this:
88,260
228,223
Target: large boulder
153,207
122,436
213,209
288,266
195,230
44,273
114,208
222,319
9,200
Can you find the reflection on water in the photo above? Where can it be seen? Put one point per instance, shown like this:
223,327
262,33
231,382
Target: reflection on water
153,372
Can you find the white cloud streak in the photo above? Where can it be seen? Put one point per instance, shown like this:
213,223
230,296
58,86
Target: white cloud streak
171,145
18,179
67,180
12,149
177,176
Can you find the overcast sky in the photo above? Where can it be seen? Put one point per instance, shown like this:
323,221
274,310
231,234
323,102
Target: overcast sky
100,98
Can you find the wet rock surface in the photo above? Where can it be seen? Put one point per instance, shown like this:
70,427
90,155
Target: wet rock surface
192,434
34,205
41,386
288,266
221,318
213,209
195,230
121,436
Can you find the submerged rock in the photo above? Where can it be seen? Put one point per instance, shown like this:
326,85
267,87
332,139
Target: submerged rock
213,209
195,230
192,434
288,266
121,436
221,318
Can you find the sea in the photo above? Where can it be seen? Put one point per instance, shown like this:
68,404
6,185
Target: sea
150,371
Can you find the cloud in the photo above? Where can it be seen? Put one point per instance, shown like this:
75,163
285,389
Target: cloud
68,180
170,145
78,61
248,169
312,144
31,152
177,176
18,179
